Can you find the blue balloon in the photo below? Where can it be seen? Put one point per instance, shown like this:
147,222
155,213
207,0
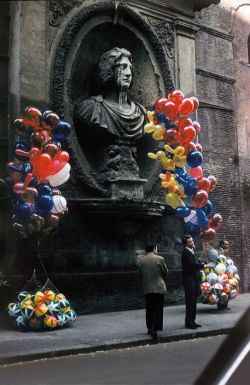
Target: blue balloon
194,158
163,119
44,189
33,182
44,205
207,208
190,188
24,169
61,131
182,212
202,218
21,212
192,229
180,172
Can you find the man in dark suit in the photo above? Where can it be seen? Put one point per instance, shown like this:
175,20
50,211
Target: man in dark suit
154,270
190,278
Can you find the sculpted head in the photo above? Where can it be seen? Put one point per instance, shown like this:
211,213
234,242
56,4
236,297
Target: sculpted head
115,69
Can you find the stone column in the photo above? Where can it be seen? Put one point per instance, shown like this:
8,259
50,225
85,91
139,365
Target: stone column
185,37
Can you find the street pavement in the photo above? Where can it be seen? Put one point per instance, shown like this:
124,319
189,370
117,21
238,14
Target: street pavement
105,331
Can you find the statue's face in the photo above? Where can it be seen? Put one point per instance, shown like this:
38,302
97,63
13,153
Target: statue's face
123,73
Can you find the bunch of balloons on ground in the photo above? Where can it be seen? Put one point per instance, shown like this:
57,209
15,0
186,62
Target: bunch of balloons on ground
39,167
43,309
181,157
220,280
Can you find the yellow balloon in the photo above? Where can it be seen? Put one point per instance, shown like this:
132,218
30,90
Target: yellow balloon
149,127
151,155
180,161
168,164
150,116
179,151
174,200
162,176
168,148
160,155
159,131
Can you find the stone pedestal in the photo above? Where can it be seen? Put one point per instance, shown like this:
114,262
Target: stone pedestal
127,188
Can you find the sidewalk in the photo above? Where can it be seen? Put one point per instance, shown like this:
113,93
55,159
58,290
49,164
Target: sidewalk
105,331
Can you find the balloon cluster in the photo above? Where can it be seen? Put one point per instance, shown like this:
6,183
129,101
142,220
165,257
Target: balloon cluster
39,167
170,123
41,310
220,280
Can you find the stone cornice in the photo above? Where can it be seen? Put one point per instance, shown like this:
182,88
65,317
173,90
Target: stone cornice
213,75
215,106
215,32
186,28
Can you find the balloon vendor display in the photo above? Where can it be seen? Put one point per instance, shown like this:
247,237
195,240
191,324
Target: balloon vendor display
181,158
41,308
40,165
220,280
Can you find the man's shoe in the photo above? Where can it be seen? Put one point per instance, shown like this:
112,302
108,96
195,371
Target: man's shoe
197,325
190,325
228,308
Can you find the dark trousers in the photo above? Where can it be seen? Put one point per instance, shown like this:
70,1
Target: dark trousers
190,289
154,311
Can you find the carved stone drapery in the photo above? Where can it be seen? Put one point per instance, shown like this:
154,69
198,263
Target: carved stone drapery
165,31
85,175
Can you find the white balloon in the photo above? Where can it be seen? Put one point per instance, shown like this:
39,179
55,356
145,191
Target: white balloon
60,204
60,177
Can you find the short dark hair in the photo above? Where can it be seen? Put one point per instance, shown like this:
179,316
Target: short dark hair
222,242
150,247
185,238
108,61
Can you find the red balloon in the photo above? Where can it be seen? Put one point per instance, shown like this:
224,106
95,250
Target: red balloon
160,103
199,147
213,182
184,121
51,149
43,165
196,126
190,146
196,102
171,137
200,199
176,96
187,134
169,108
216,221
63,156
186,107
203,184
56,166
196,172
32,117
208,235
20,127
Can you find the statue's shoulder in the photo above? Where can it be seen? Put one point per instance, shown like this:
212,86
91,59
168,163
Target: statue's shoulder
84,107
141,107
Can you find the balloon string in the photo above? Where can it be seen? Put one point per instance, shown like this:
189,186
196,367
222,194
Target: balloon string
40,259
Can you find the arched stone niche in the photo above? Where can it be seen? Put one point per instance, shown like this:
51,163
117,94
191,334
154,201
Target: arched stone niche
90,33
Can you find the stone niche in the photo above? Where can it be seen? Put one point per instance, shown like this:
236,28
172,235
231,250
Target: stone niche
107,228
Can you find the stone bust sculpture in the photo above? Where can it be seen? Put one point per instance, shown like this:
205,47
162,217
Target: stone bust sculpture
111,113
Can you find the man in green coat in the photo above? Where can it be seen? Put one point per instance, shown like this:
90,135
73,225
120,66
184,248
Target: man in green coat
153,270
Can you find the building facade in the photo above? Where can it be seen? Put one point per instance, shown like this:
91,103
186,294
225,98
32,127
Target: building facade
200,47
